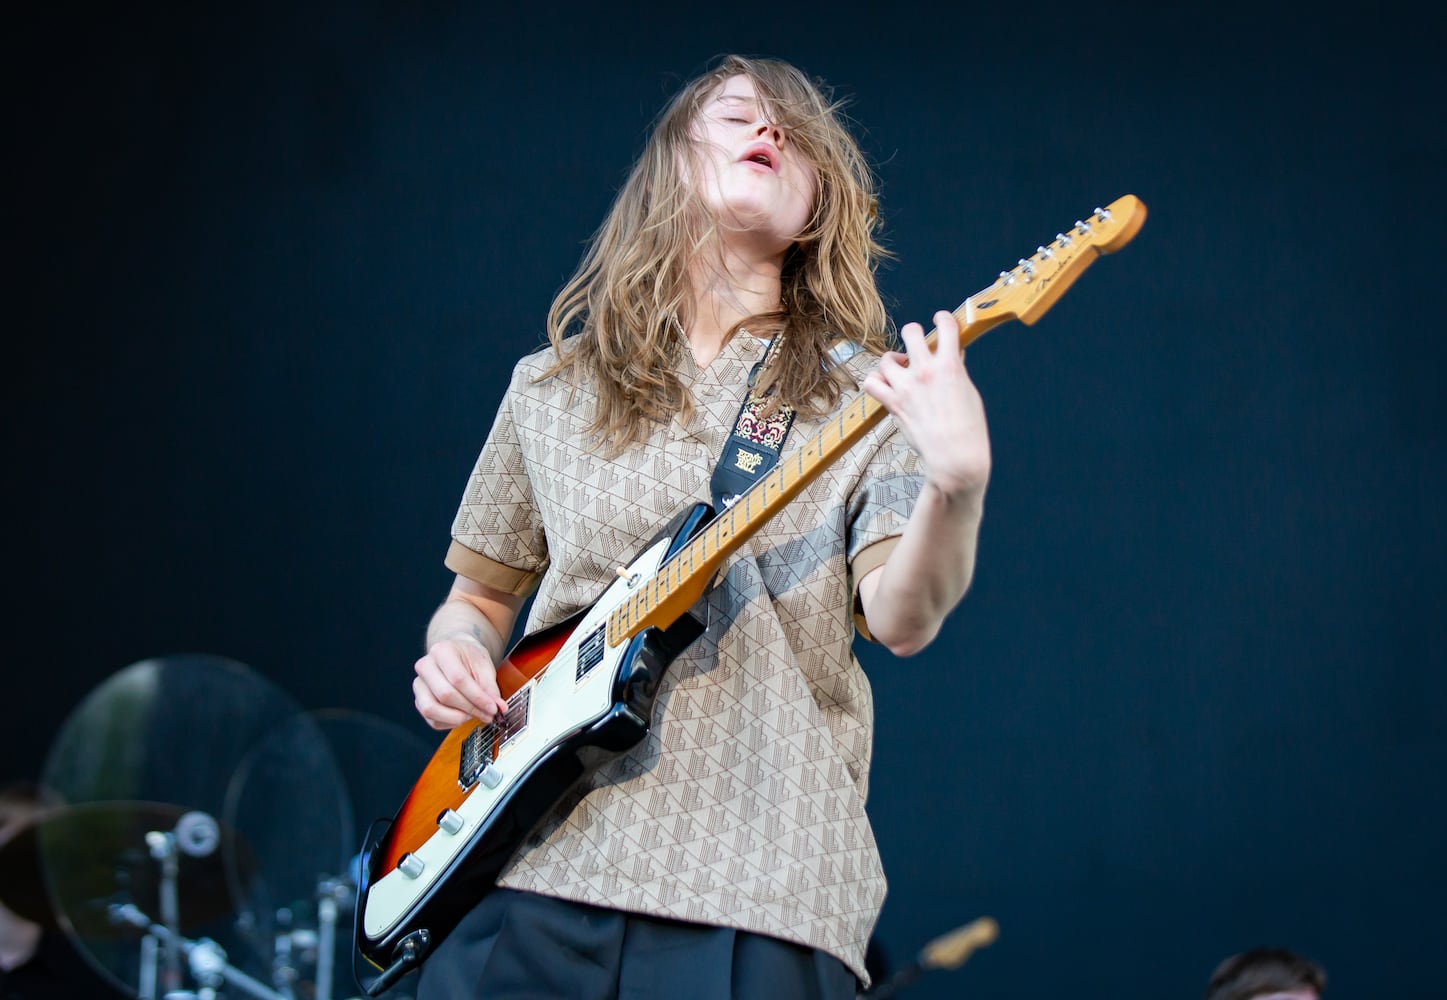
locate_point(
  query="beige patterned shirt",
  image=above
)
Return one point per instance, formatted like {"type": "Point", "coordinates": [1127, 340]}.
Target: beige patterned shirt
{"type": "Point", "coordinates": [744, 806]}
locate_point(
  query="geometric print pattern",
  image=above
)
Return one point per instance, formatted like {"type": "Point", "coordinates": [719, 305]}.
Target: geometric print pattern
{"type": "Point", "coordinates": [745, 804]}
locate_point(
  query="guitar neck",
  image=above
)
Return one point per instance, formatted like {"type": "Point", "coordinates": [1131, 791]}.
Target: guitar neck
{"type": "Point", "coordinates": [681, 581]}
{"type": "Point", "coordinates": [1024, 292]}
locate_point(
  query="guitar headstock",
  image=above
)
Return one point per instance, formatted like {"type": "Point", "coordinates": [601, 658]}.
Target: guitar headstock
{"type": "Point", "coordinates": [1028, 290]}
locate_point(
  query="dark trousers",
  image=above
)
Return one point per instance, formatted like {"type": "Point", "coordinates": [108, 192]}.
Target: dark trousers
{"type": "Point", "coordinates": [523, 946]}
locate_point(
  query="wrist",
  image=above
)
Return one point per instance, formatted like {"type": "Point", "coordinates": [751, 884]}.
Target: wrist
{"type": "Point", "coordinates": [460, 635]}
{"type": "Point", "coordinates": [965, 497]}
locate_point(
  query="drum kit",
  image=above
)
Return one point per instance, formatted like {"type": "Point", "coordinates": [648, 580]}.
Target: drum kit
{"type": "Point", "coordinates": [196, 831]}
{"type": "Point", "coordinates": [194, 837]}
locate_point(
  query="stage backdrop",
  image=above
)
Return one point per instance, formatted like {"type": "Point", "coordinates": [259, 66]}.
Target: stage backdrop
{"type": "Point", "coordinates": [270, 268]}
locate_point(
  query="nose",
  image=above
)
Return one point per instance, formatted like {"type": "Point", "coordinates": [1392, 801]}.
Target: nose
{"type": "Point", "coordinates": [768, 130]}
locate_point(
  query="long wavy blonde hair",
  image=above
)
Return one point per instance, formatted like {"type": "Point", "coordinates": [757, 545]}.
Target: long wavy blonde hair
{"type": "Point", "coordinates": [616, 318]}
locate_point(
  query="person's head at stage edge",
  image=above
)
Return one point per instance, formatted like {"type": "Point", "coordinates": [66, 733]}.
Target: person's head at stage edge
{"type": "Point", "coordinates": [1267, 973]}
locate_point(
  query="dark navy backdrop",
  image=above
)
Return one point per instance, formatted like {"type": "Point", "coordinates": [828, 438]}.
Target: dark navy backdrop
{"type": "Point", "coordinates": [270, 268]}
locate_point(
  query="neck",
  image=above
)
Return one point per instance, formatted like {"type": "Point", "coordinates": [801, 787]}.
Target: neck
{"type": "Point", "coordinates": [726, 290]}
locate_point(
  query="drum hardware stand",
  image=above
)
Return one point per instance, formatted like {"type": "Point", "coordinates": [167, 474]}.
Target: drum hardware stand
{"type": "Point", "coordinates": [196, 834]}
{"type": "Point", "coordinates": [332, 895]}
{"type": "Point", "coordinates": [206, 958]}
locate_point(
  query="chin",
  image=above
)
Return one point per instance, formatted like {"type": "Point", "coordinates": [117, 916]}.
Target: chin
{"type": "Point", "coordinates": [762, 223]}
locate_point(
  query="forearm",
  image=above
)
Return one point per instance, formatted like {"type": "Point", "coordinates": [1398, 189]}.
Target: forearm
{"type": "Point", "coordinates": [459, 618]}
{"type": "Point", "coordinates": [928, 572]}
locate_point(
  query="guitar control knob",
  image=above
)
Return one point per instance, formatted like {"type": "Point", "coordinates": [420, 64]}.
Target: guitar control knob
{"type": "Point", "coordinates": [410, 865]}
{"type": "Point", "coordinates": [490, 775]}
{"type": "Point", "coordinates": [450, 821]}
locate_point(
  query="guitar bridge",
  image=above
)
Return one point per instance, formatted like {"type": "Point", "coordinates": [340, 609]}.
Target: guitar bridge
{"type": "Point", "coordinates": [515, 722]}
{"type": "Point", "coordinates": [476, 757]}
{"type": "Point", "coordinates": [482, 746]}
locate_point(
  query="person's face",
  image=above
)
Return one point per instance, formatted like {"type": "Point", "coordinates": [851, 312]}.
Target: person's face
{"type": "Point", "coordinates": [754, 178]}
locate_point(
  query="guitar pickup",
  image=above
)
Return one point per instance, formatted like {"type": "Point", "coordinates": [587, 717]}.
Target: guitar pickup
{"type": "Point", "coordinates": [590, 653]}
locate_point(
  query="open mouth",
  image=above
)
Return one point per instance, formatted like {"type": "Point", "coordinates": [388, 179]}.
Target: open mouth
{"type": "Point", "coordinates": [760, 155]}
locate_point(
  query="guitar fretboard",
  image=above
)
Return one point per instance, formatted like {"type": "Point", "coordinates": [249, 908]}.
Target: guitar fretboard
{"type": "Point", "coordinates": [728, 530]}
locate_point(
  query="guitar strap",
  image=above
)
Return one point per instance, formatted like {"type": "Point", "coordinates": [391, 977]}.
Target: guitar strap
{"type": "Point", "coordinates": [757, 440]}
{"type": "Point", "coordinates": [755, 444]}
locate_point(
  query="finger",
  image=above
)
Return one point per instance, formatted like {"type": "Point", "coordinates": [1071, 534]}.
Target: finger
{"type": "Point", "coordinates": [433, 712]}
{"type": "Point", "coordinates": [913, 336]}
{"type": "Point", "coordinates": [469, 667]}
{"type": "Point", "coordinates": [457, 681]}
{"type": "Point", "coordinates": [947, 334]}
{"type": "Point", "coordinates": [876, 386]}
{"type": "Point", "coordinates": [888, 375]}
{"type": "Point", "coordinates": [891, 363]}
{"type": "Point", "coordinates": [440, 702]}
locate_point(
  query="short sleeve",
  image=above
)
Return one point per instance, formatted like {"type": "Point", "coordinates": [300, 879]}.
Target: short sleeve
{"type": "Point", "coordinates": [497, 535]}
{"type": "Point", "coordinates": [886, 495]}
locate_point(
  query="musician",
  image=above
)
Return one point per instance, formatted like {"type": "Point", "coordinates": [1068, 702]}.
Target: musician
{"type": "Point", "coordinates": [729, 854]}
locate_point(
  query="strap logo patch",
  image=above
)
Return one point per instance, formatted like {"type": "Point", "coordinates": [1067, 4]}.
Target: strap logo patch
{"type": "Point", "coordinates": [747, 461]}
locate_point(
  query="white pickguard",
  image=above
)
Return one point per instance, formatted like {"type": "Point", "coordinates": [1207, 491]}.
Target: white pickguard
{"type": "Point", "coordinates": [558, 704]}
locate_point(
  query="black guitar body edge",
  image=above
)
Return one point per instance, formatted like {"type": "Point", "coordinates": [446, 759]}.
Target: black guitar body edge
{"type": "Point", "coordinates": [473, 873]}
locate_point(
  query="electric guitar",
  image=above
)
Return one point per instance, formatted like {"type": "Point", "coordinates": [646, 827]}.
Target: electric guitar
{"type": "Point", "coordinates": [582, 691]}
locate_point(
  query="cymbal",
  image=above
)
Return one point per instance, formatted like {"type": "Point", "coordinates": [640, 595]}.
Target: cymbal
{"type": "Point", "coordinates": [67, 866]}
